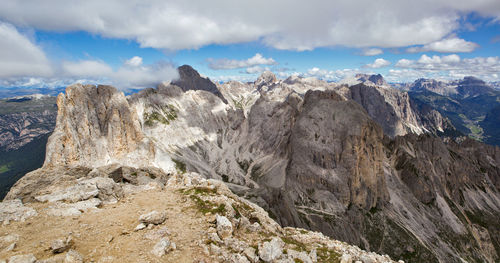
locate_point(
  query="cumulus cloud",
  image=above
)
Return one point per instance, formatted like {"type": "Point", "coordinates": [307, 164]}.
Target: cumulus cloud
{"type": "Point", "coordinates": [225, 63]}
{"type": "Point", "coordinates": [86, 68]}
{"type": "Point", "coordinates": [378, 63]}
{"type": "Point", "coordinates": [372, 52]}
{"type": "Point", "coordinates": [451, 66]}
{"type": "Point", "coordinates": [282, 24]}
{"type": "Point", "coordinates": [132, 74]}
{"type": "Point", "coordinates": [19, 56]}
{"type": "Point", "coordinates": [331, 75]}
{"type": "Point", "coordinates": [144, 76]}
{"type": "Point", "coordinates": [255, 70]}
{"type": "Point", "coordinates": [449, 45]}
{"type": "Point", "coordinates": [134, 61]}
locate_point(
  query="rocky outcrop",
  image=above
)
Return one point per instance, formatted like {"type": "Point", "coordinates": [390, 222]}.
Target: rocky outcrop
{"type": "Point", "coordinates": [313, 154]}
{"type": "Point", "coordinates": [190, 79]}
{"type": "Point", "coordinates": [202, 220]}
{"type": "Point", "coordinates": [95, 126]}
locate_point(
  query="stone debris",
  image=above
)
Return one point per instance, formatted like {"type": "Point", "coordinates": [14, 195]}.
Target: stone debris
{"type": "Point", "coordinates": [153, 217]}
{"type": "Point", "coordinates": [29, 258]}
{"type": "Point", "coordinates": [73, 209]}
{"type": "Point", "coordinates": [162, 247]}
{"type": "Point", "coordinates": [271, 250]}
{"type": "Point", "coordinates": [73, 256]}
{"type": "Point", "coordinates": [140, 226]}
{"type": "Point", "coordinates": [224, 227]}
{"type": "Point", "coordinates": [238, 230]}
{"type": "Point", "coordinates": [60, 245]}
{"type": "Point", "coordinates": [14, 210]}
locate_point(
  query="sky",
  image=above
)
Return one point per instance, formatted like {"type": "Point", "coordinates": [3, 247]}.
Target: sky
{"type": "Point", "coordinates": [139, 43]}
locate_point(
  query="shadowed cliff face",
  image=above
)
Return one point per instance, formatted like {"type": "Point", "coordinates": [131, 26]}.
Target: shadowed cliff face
{"type": "Point", "coordinates": [312, 158]}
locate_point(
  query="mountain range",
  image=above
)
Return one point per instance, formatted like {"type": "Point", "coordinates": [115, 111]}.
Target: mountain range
{"type": "Point", "coordinates": [387, 170]}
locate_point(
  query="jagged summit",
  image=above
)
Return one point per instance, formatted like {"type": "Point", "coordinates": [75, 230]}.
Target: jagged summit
{"type": "Point", "coordinates": [190, 79]}
{"type": "Point", "coordinates": [265, 79]}
{"type": "Point", "coordinates": [375, 79]}
{"type": "Point", "coordinates": [342, 160]}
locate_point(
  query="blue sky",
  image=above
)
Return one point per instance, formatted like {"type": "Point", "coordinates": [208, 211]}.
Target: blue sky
{"type": "Point", "coordinates": [139, 43]}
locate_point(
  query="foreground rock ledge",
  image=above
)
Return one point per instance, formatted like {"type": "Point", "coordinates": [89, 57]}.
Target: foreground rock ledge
{"type": "Point", "coordinates": [202, 218]}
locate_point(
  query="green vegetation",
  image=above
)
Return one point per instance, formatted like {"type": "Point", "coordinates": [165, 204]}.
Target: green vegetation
{"type": "Point", "coordinates": [201, 191]}
{"type": "Point", "coordinates": [21, 161]}
{"type": "Point", "coordinates": [4, 168]}
{"type": "Point", "coordinates": [299, 246]}
{"type": "Point", "coordinates": [180, 166]}
{"type": "Point", "coordinates": [166, 114]}
{"type": "Point", "coordinates": [327, 255]}
{"type": "Point", "coordinates": [238, 103]}
{"type": "Point", "coordinates": [207, 206]}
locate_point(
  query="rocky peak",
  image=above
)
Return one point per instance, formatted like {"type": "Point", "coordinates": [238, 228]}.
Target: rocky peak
{"type": "Point", "coordinates": [95, 124]}
{"type": "Point", "coordinates": [375, 79]}
{"type": "Point", "coordinates": [267, 78]}
{"type": "Point", "coordinates": [190, 79]}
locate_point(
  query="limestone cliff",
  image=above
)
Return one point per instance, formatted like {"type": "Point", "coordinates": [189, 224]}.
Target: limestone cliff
{"type": "Point", "coordinates": [314, 154]}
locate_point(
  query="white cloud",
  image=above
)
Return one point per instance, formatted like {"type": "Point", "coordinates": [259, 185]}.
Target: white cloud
{"type": "Point", "coordinates": [132, 74]}
{"type": "Point", "coordinates": [451, 66]}
{"type": "Point", "coordinates": [134, 61]}
{"type": "Point", "coordinates": [86, 68]}
{"type": "Point", "coordinates": [378, 63]}
{"type": "Point", "coordinates": [19, 56]}
{"type": "Point", "coordinates": [331, 75]}
{"type": "Point", "coordinates": [449, 45]}
{"type": "Point", "coordinates": [144, 76]}
{"type": "Point", "coordinates": [255, 70]}
{"type": "Point", "coordinates": [372, 52]}
{"type": "Point", "coordinates": [225, 63]}
{"type": "Point", "coordinates": [283, 24]}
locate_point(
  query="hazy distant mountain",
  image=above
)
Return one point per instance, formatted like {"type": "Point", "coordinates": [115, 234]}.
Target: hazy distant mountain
{"type": "Point", "coordinates": [465, 102]}
{"type": "Point", "coordinates": [25, 124]}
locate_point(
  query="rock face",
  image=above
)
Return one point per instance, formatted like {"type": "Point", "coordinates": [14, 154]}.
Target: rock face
{"type": "Point", "coordinates": [190, 79]}
{"type": "Point", "coordinates": [25, 124]}
{"type": "Point", "coordinates": [95, 125]}
{"type": "Point", "coordinates": [343, 160]}
{"type": "Point", "coordinates": [466, 103]}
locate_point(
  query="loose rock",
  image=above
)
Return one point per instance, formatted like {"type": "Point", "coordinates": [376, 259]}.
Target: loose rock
{"type": "Point", "coordinates": [153, 217]}
{"type": "Point", "coordinates": [224, 227]}
{"type": "Point", "coordinates": [271, 250]}
{"type": "Point", "coordinates": [30, 258]}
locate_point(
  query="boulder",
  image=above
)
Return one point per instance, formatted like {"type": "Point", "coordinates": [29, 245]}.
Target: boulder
{"type": "Point", "coordinates": [271, 250]}
{"type": "Point", "coordinates": [162, 247]}
{"type": "Point", "coordinates": [60, 245]}
{"type": "Point", "coordinates": [224, 227]}
{"type": "Point", "coordinates": [153, 217]}
{"type": "Point", "coordinates": [29, 258]}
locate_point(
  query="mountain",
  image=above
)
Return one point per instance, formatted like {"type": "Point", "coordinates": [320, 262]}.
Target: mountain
{"type": "Point", "coordinates": [466, 103]}
{"type": "Point", "coordinates": [154, 217]}
{"type": "Point", "coordinates": [313, 154]}
{"type": "Point", "coordinates": [25, 124]}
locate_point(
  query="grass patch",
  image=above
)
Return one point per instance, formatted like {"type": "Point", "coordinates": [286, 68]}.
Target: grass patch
{"type": "Point", "coordinates": [201, 191]}
{"type": "Point", "coordinates": [207, 206]}
{"type": "Point", "coordinates": [4, 168]}
{"type": "Point", "coordinates": [167, 114]}
{"type": "Point", "coordinates": [327, 255]}
{"type": "Point", "coordinates": [299, 246]}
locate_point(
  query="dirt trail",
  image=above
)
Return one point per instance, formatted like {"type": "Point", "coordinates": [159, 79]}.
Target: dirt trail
{"type": "Point", "coordinates": [107, 234]}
